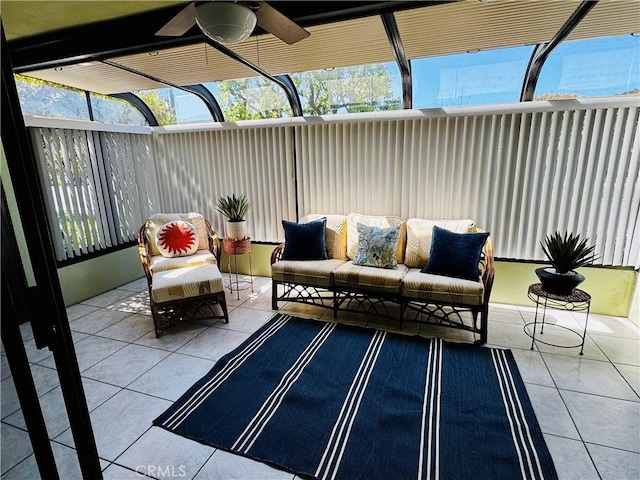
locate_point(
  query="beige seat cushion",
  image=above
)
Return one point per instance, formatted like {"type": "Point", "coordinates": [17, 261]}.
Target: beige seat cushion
{"type": "Point", "coordinates": [158, 263]}
{"type": "Point", "coordinates": [154, 222]}
{"type": "Point", "coordinates": [424, 286]}
{"type": "Point", "coordinates": [370, 278]}
{"type": "Point", "coordinates": [336, 238]}
{"type": "Point", "coordinates": [186, 282]}
{"type": "Point", "coordinates": [316, 273]}
{"type": "Point", "coordinates": [420, 234]}
{"type": "Point", "coordinates": [374, 221]}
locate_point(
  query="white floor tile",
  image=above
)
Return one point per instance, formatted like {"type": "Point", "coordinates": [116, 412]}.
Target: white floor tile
{"type": "Point", "coordinates": [615, 464]}
{"type": "Point", "coordinates": [15, 446]}
{"type": "Point", "coordinates": [173, 376]}
{"type": "Point", "coordinates": [605, 421]}
{"type": "Point", "coordinates": [171, 339]}
{"type": "Point", "coordinates": [127, 364]}
{"type": "Point", "coordinates": [225, 466]}
{"type": "Point", "coordinates": [163, 454]}
{"type": "Point", "coordinates": [551, 412]}
{"type": "Point", "coordinates": [213, 343]}
{"type": "Point", "coordinates": [571, 459]}
{"type": "Point", "coordinates": [120, 421]}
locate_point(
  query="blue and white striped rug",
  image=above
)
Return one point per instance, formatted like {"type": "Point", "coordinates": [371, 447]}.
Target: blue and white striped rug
{"type": "Point", "coordinates": [327, 400]}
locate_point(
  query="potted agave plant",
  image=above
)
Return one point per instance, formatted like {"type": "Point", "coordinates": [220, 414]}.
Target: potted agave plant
{"type": "Point", "coordinates": [235, 209]}
{"type": "Point", "coordinates": [566, 253]}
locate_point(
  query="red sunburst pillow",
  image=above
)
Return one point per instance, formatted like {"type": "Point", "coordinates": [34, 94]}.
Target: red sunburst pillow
{"type": "Point", "coordinates": [177, 239]}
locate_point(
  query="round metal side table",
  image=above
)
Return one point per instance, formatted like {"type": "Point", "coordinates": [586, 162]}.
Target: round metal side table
{"type": "Point", "coordinates": [577, 301]}
{"type": "Point", "coordinates": [234, 248]}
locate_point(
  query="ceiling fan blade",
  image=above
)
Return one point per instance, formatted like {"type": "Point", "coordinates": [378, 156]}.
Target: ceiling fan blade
{"type": "Point", "coordinates": [181, 23]}
{"type": "Point", "coordinates": [276, 23]}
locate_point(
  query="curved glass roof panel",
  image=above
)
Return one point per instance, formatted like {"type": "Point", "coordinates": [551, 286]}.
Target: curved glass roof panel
{"type": "Point", "coordinates": [45, 99]}
{"type": "Point", "coordinates": [363, 88]}
{"type": "Point", "coordinates": [115, 110]}
{"type": "Point", "coordinates": [472, 78]}
{"type": "Point", "coordinates": [250, 99]}
{"type": "Point", "coordinates": [591, 68]}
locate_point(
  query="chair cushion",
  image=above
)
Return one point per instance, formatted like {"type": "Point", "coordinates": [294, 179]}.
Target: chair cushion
{"type": "Point", "coordinates": [159, 263]}
{"type": "Point", "coordinates": [455, 254]}
{"type": "Point", "coordinates": [424, 286]}
{"type": "Point", "coordinates": [353, 237]}
{"type": "Point", "coordinates": [420, 235]}
{"type": "Point", "coordinates": [155, 221]}
{"type": "Point", "coordinates": [317, 273]}
{"type": "Point", "coordinates": [177, 239]}
{"type": "Point", "coordinates": [369, 278]}
{"type": "Point", "coordinates": [377, 247]}
{"type": "Point", "coordinates": [305, 241]}
{"type": "Point", "coordinates": [186, 282]}
{"type": "Point", "coordinates": [335, 235]}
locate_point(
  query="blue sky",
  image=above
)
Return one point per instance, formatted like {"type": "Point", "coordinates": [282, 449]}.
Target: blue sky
{"type": "Point", "coordinates": [589, 68]}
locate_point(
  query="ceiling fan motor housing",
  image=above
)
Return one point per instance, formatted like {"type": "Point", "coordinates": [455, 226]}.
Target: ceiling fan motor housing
{"type": "Point", "coordinates": [225, 22]}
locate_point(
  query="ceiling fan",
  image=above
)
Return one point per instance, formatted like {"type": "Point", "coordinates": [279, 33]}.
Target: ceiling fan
{"type": "Point", "coordinates": [232, 22]}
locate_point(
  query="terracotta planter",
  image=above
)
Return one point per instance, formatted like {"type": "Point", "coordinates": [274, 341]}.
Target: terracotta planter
{"type": "Point", "coordinates": [237, 230]}
{"type": "Point", "coordinates": [558, 284]}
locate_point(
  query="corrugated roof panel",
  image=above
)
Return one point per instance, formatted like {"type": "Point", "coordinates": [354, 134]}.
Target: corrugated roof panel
{"type": "Point", "coordinates": [95, 77]}
{"type": "Point", "coordinates": [187, 65]}
{"type": "Point", "coordinates": [353, 42]}
{"type": "Point", "coordinates": [471, 25]}
{"type": "Point", "coordinates": [609, 18]}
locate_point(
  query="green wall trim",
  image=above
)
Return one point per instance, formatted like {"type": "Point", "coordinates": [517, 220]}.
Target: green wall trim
{"type": "Point", "coordinates": [612, 289]}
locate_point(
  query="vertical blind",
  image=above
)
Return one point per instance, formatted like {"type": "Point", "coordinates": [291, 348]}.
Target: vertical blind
{"type": "Point", "coordinates": [518, 172]}
{"type": "Point", "coordinates": [96, 189]}
{"type": "Point", "coordinates": [194, 169]}
{"type": "Point", "coordinates": [518, 175]}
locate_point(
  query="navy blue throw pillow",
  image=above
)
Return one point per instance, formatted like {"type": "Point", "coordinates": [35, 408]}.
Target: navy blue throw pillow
{"type": "Point", "coordinates": [305, 241]}
{"type": "Point", "coordinates": [455, 254]}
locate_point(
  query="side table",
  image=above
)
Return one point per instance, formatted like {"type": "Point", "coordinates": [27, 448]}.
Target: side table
{"type": "Point", "coordinates": [577, 301]}
{"type": "Point", "coordinates": [235, 248]}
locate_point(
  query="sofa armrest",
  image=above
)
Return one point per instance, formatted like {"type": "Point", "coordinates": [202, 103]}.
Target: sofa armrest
{"type": "Point", "coordinates": [489, 271]}
{"type": "Point", "coordinates": [277, 253]}
{"type": "Point", "coordinates": [143, 251]}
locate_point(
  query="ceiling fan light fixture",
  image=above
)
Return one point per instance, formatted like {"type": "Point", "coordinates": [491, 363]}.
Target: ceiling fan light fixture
{"type": "Point", "coordinates": [225, 22]}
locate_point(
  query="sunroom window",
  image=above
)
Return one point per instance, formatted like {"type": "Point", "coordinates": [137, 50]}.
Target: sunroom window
{"type": "Point", "coordinates": [364, 88]}
{"type": "Point", "coordinates": [250, 99]}
{"type": "Point", "coordinates": [591, 68]}
{"type": "Point", "coordinates": [46, 99]}
{"type": "Point", "coordinates": [174, 106]}
{"type": "Point", "coordinates": [114, 110]}
{"type": "Point", "coordinates": [471, 78]}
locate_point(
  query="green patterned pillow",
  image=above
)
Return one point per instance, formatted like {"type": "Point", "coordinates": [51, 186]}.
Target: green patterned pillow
{"type": "Point", "coordinates": [377, 247]}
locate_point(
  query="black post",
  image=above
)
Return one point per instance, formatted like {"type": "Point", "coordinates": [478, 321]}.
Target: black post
{"type": "Point", "coordinates": [45, 303]}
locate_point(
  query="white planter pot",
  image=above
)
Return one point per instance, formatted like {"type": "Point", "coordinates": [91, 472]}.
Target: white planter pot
{"type": "Point", "coordinates": [237, 230]}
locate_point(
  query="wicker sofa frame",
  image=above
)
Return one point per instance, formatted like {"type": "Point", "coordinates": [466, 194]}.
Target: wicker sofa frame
{"type": "Point", "coordinates": [392, 306]}
{"type": "Point", "coordinates": [202, 307]}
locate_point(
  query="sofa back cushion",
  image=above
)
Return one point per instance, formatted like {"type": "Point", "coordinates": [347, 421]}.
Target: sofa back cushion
{"type": "Point", "coordinates": [154, 222]}
{"type": "Point", "coordinates": [353, 237]}
{"type": "Point", "coordinates": [420, 234]}
{"type": "Point", "coordinates": [336, 234]}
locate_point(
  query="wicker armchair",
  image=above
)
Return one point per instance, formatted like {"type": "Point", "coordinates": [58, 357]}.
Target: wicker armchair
{"type": "Point", "coordinates": [183, 288]}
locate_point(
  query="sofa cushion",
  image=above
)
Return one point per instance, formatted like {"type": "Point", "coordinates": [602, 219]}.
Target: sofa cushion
{"type": "Point", "coordinates": [159, 263]}
{"type": "Point", "coordinates": [177, 239]}
{"type": "Point", "coordinates": [419, 237]}
{"type": "Point", "coordinates": [369, 278]}
{"type": "Point", "coordinates": [186, 282]}
{"type": "Point", "coordinates": [377, 247]}
{"type": "Point", "coordinates": [305, 241]}
{"type": "Point", "coordinates": [336, 234]}
{"type": "Point", "coordinates": [353, 237]}
{"type": "Point", "coordinates": [438, 288]}
{"type": "Point", "coordinates": [317, 273]}
{"type": "Point", "coordinates": [154, 222]}
{"type": "Point", "coordinates": [455, 254]}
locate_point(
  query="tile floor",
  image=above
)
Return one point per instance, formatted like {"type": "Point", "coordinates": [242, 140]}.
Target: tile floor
{"type": "Point", "coordinates": [588, 407]}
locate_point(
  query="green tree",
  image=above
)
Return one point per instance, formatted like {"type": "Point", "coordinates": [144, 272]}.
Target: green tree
{"type": "Point", "coordinates": [363, 88]}
{"type": "Point", "coordinates": [39, 97]}
{"type": "Point", "coordinates": [159, 105]}
{"type": "Point", "coordinates": [252, 99]}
